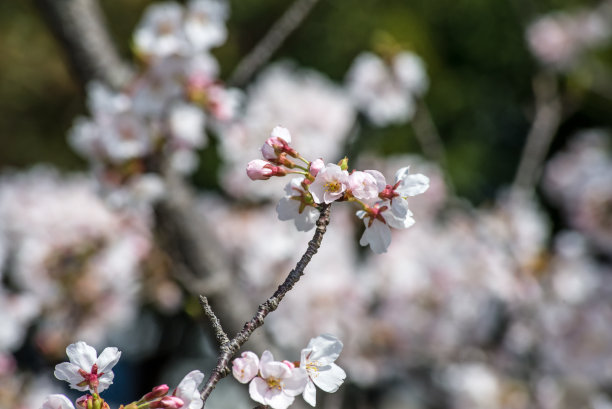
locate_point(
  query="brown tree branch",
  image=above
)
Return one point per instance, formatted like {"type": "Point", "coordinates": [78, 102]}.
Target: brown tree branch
{"type": "Point", "coordinates": [274, 38]}
{"type": "Point", "coordinates": [230, 348]}
{"type": "Point", "coordinates": [80, 27]}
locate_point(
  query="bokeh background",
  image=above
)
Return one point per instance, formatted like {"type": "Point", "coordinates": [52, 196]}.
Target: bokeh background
{"type": "Point", "coordinates": [498, 297]}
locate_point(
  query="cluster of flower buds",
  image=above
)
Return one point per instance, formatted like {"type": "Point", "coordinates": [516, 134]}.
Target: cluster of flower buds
{"type": "Point", "coordinates": [89, 372]}
{"type": "Point", "coordinates": [277, 383]}
{"type": "Point", "coordinates": [382, 205]}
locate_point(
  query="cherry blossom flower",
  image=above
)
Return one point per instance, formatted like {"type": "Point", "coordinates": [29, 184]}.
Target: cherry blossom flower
{"type": "Point", "coordinates": [318, 361]}
{"type": "Point", "coordinates": [187, 390]}
{"type": "Point", "coordinates": [246, 367]}
{"type": "Point", "coordinates": [57, 401]}
{"type": "Point", "coordinates": [330, 184]}
{"type": "Point", "coordinates": [363, 185]}
{"type": "Point", "coordinates": [278, 383]}
{"type": "Point", "coordinates": [298, 206]}
{"type": "Point", "coordinates": [405, 185]}
{"type": "Point", "coordinates": [159, 33]}
{"type": "Point", "coordinates": [378, 220]}
{"type": "Point", "coordinates": [385, 90]}
{"type": "Point", "coordinates": [205, 24]}
{"type": "Point", "coordinates": [87, 371]}
{"type": "Point", "coordinates": [186, 122]}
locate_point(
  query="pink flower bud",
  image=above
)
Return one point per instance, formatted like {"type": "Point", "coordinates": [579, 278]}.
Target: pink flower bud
{"type": "Point", "coordinates": [156, 392]}
{"type": "Point", "coordinates": [316, 166]}
{"type": "Point", "coordinates": [167, 402]}
{"type": "Point", "coordinates": [261, 170]}
{"type": "Point", "coordinates": [81, 403]}
{"type": "Point", "coordinates": [278, 143]}
{"type": "Point", "coordinates": [290, 364]}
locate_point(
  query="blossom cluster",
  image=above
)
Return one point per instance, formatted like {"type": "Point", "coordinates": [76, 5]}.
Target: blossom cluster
{"type": "Point", "coordinates": [385, 88]}
{"type": "Point", "coordinates": [276, 383]}
{"type": "Point", "coordinates": [158, 119]}
{"type": "Point", "coordinates": [382, 205]}
{"type": "Point", "coordinates": [559, 39]}
{"type": "Point", "coordinates": [88, 372]}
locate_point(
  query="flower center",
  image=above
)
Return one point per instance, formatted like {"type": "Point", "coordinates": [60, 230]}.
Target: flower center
{"type": "Point", "coordinates": [333, 186]}
{"type": "Point", "coordinates": [312, 367]}
{"type": "Point", "coordinates": [274, 383]}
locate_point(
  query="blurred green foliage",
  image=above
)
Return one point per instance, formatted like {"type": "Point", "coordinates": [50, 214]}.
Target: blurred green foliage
{"type": "Point", "coordinates": [480, 71]}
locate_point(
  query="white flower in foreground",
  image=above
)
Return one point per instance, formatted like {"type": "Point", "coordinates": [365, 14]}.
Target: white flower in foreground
{"type": "Point", "coordinates": [295, 206]}
{"type": "Point", "coordinates": [363, 185]}
{"type": "Point", "coordinates": [279, 383]}
{"type": "Point", "coordinates": [318, 361]}
{"type": "Point", "coordinates": [57, 402]}
{"type": "Point", "coordinates": [407, 185]}
{"type": "Point", "coordinates": [378, 220]}
{"type": "Point", "coordinates": [187, 390]}
{"type": "Point", "coordinates": [330, 184]}
{"type": "Point", "coordinates": [87, 371]}
{"type": "Point", "coordinates": [246, 367]}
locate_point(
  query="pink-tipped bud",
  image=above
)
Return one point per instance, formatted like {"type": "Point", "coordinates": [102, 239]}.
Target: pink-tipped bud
{"type": "Point", "coordinates": [315, 166]}
{"type": "Point", "coordinates": [261, 170]}
{"type": "Point", "coordinates": [167, 402]}
{"type": "Point", "coordinates": [156, 392]}
{"type": "Point", "coordinates": [278, 143]}
{"type": "Point", "coordinates": [81, 403]}
{"type": "Point", "coordinates": [290, 364]}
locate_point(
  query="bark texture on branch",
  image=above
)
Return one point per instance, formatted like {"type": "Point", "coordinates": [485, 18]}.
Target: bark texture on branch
{"type": "Point", "coordinates": [80, 27]}
{"type": "Point", "coordinates": [229, 348]}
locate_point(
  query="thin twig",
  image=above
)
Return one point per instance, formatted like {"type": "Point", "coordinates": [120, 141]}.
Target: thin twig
{"type": "Point", "coordinates": [274, 38]}
{"type": "Point", "coordinates": [546, 122]}
{"type": "Point", "coordinates": [229, 349]}
{"type": "Point", "coordinates": [216, 324]}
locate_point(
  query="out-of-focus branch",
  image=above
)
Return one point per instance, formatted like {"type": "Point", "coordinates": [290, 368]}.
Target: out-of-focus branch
{"type": "Point", "coordinates": [427, 134]}
{"type": "Point", "coordinates": [79, 26]}
{"type": "Point", "coordinates": [274, 38]}
{"type": "Point", "coordinates": [196, 254]}
{"type": "Point", "coordinates": [230, 348]}
{"type": "Point", "coordinates": [547, 118]}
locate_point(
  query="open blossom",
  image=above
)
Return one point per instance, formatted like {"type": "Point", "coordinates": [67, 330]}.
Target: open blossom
{"type": "Point", "coordinates": [278, 384]}
{"type": "Point", "coordinates": [159, 32]}
{"type": "Point", "coordinates": [187, 390]}
{"type": "Point", "coordinates": [205, 24]}
{"type": "Point", "coordinates": [363, 185]}
{"type": "Point", "coordinates": [330, 184]}
{"type": "Point", "coordinates": [378, 220]}
{"type": "Point", "coordinates": [298, 206]}
{"type": "Point", "coordinates": [406, 185]}
{"type": "Point", "coordinates": [246, 367]}
{"type": "Point", "coordinates": [57, 402]}
{"type": "Point", "coordinates": [385, 90]}
{"type": "Point", "coordinates": [87, 371]}
{"type": "Point", "coordinates": [318, 361]}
